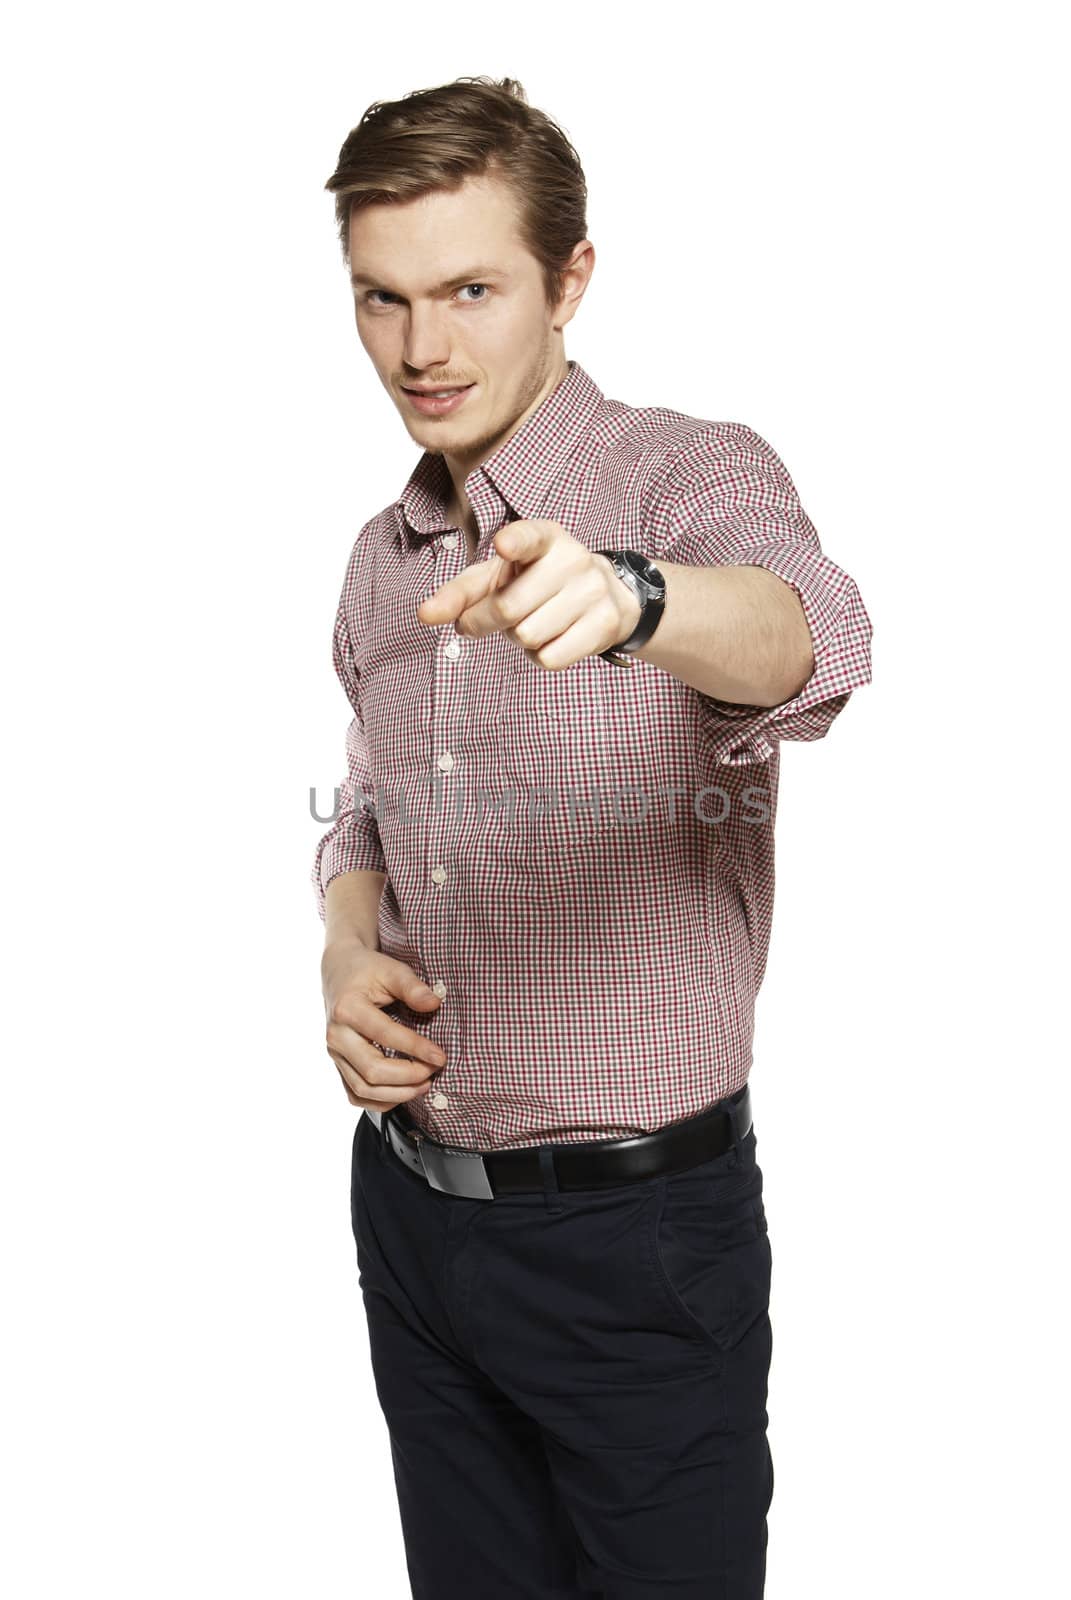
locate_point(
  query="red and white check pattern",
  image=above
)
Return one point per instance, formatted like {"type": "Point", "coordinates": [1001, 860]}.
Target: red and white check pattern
{"type": "Point", "coordinates": [598, 959]}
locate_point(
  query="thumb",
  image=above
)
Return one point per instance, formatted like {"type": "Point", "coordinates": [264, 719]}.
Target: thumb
{"type": "Point", "coordinates": [419, 994]}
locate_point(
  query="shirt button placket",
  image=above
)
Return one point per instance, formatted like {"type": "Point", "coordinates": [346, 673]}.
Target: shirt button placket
{"type": "Point", "coordinates": [445, 762]}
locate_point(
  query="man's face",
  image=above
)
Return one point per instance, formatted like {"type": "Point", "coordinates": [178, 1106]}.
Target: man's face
{"type": "Point", "coordinates": [448, 295]}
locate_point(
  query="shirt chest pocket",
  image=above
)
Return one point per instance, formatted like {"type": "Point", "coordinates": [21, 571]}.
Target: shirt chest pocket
{"type": "Point", "coordinates": [557, 749]}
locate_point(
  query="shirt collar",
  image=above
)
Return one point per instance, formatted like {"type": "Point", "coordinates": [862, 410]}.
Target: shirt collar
{"type": "Point", "coordinates": [513, 484]}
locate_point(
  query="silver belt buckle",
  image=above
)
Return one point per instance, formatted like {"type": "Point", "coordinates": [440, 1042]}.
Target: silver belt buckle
{"type": "Point", "coordinates": [452, 1171]}
{"type": "Point", "coordinates": [459, 1172]}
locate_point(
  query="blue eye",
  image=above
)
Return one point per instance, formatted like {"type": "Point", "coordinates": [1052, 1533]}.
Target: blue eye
{"type": "Point", "coordinates": [387, 297]}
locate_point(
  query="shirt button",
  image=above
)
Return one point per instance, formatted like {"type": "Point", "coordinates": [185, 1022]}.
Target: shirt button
{"type": "Point", "coordinates": [438, 874]}
{"type": "Point", "coordinates": [439, 1100]}
{"type": "Point", "coordinates": [439, 988]}
{"type": "Point", "coordinates": [449, 541]}
{"type": "Point", "coordinates": [453, 649]}
{"type": "Point", "coordinates": [445, 762]}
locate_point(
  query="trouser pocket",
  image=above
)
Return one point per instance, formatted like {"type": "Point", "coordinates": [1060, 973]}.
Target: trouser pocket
{"type": "Point", "coordinates": [708, 1250]}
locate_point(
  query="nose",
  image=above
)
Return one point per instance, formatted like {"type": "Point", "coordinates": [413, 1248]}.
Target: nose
{"type": "Point", "coordinates": [426, 344]}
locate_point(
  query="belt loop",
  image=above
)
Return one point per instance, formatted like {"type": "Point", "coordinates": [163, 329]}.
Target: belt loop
{"type": "Point", "coordinates": [550, 1178]}
{"type": "Point", "coordinates": [733, 1111]}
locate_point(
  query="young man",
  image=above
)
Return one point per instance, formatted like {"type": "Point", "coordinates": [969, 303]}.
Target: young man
{"type": "Point", "coordinates": [572, 648]}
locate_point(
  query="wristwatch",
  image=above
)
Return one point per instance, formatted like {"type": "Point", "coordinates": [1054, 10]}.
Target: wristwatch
{"type": "Point", "coordinates": [649, 586]}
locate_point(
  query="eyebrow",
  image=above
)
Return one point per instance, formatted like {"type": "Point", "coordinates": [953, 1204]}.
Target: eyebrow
{"type": "Point", "coordinates": [473, 275]}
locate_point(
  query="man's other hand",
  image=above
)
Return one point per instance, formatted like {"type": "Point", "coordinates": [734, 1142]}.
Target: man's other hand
{"type": "Point", "coordinates": [357, 983]}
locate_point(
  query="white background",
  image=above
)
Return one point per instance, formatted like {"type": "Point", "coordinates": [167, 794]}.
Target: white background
{"type": "Point", "coordinates": [836, 223]}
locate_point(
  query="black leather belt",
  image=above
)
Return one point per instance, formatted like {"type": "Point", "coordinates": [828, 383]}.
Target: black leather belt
{"type": "Point", "coordinates": [594, 1164]}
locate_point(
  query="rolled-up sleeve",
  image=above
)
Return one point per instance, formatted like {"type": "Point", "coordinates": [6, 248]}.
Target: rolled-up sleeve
{"type": "Point", "coordinates": [352, 842]}
{"type": "Point", "coordinates": [727, 500]}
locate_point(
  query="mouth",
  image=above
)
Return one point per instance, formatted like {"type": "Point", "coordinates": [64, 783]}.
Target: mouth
{"type": "Point", "coordinates": [437, 403]}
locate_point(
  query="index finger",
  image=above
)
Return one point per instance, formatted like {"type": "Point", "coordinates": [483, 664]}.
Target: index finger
{"type": "Point", "coordinates": [457, 594]}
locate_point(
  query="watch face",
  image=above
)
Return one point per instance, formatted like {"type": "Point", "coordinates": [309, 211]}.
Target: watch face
{"type": "Point", "coordinates": [644, 569]}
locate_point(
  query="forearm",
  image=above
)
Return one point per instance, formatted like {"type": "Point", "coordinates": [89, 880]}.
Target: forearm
{"type": "Point", "coordinates": [351, 907]}
{"type": "Point", "coordinates": [735, 633]}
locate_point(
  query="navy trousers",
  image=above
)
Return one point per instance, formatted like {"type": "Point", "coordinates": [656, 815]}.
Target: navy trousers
{"type": "Point", "coordinates": [574, 1383]}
